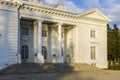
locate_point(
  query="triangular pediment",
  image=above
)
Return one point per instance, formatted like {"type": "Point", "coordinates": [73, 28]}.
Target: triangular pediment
{"type": "Point", "coordinates": [96, 14]}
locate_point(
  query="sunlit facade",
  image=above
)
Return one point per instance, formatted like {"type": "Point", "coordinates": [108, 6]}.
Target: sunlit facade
{"type": "Point", "coordinates": [33, 32]}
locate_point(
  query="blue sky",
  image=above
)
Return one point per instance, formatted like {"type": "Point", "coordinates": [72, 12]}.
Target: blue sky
{"type": "Point", "coordinates": [111, 8]}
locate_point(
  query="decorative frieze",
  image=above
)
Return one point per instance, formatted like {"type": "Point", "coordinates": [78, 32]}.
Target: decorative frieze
{"type": "Point", "coordinates": [53, 11]}
{"type": "Point", "coordinates": [9, 3]}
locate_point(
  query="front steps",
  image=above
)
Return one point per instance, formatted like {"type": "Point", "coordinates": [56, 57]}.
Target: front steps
{"type": "Point", "coordinates": [30, 68]}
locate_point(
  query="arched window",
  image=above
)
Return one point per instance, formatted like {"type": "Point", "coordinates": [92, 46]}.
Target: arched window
{"type": "Point", "coordinates": [24, 52]}
{"type": "Point", "coordinates": [44, 52]}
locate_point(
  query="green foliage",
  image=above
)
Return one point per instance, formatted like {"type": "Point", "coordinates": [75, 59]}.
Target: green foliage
{"type": "Point", "coordinates": [113, 43]}
{"type": "Point", "coordinates": [114, 67]}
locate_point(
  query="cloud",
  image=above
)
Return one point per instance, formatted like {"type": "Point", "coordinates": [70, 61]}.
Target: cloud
{"type": "Point", "coordinates": [51, 2]}
{"type": "Point", "coordinates": [112, 9]}
{"type": "Point", "coordinates": [109, 7]}
{"type": "Point", "coordinates": [69, 4]}
{"type": "Point", "coordinates": [90, 3]}
{"type": "Point", "coordinates": [72, 7]}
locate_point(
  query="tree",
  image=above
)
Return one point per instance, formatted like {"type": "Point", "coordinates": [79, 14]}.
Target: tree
{"type": "Point", "coordinates": [113, 43]}
{"type": "Point", "coordinates": [110, 43]}
{"type": "Point", "coordinates": [116, 42]}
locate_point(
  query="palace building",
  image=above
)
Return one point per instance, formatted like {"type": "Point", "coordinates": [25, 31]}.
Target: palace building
{"type": "Point", "coordinates": [33, 32]}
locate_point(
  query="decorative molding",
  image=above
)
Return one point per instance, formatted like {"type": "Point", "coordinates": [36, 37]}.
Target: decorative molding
{"type": "Point", "coordinates": [94, 42]}
{"type": "Point", "coordinates": [9, 3]}
{"type": "Point", "coordinates": [55, 12]}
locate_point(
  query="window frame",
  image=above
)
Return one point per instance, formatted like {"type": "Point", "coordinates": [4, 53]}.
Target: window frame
{"type": "Point", "coordinates": [44, 33]}
{"type": "Point", "coordinates": [24, 52]}
{"type": "Point", "coordinates": [44, 52]}
{"type": "Point", "coordinates": [93, 52]}
{"type": "Point", "coordinates": [93, 33]}
{"type": "Point", "coordinates": [25, 31]}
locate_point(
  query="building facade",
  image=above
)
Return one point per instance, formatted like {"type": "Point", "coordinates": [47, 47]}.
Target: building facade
{"type": "Point", "coordinates": [33, 32]}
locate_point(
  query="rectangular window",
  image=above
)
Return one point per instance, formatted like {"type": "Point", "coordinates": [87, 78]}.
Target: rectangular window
{"type": "Point", "coordinates": [93, 33]}
{"type": "Point", "coordinates": [44, 33]}
{"type": "Point", "coordinates": [25, 31]}
{"type": "Point", "coordinates": [93, 52]}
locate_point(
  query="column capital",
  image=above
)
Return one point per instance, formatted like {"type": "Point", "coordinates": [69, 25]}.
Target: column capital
{"type": "Point", "coordinates": [60, 23]}
{"type": "Point", "coordinates": [40, 20]}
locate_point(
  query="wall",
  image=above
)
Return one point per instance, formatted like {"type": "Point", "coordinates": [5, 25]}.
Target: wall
{"type": "Point", "coordinates": [85, 42]}
{"type": "Point", "coordinates": [9, 37]}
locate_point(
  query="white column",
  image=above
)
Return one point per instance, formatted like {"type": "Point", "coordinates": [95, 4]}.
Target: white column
{"type": "Point", "coordinates": [40, 58]}
{"type": "Point", "coordinates": [19, 42]}
{"type": "Point", "coordinates": [35, 40]}
{"type": "Point", "coordinates": [60, 57]}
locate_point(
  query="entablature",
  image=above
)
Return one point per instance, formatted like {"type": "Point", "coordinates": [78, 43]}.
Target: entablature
{"type": "Point", "coordinates": [36, 8]}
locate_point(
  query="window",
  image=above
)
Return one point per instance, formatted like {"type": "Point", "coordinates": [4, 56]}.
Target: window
{"type": "Point", "coordinates": [44, 33]}
{"type": "Point", "coordinates": [24, 52]}
{"type": "Point", "coordinates": [25, 31]}
{"type": "Point", "coordinates": [93, 52]}
{"type": "Point", "coordinates": [44, 52]}
{"type": "Point", "coordinates": [93, 33]}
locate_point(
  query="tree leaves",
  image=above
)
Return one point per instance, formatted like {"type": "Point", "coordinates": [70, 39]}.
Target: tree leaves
{"type": "Point", "coordinates": [113, 42]}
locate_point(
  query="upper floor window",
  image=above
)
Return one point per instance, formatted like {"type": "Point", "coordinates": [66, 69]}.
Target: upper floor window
{"type": "Point", "coordinates": [44, 33]}
{"type": "Point", "coordinates": [93, 33]}
{"type": "Point", "coordinates": [93, 52]}
{"type": "Point", "coordinates": [25, 31]}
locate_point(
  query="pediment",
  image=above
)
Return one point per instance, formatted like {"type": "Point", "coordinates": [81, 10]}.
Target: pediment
{"type": "Point", "coordinates": [96, 14]}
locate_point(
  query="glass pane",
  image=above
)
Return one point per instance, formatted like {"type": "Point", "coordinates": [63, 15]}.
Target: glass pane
{"type": "Point", "coordinates": [25, 31]}
{"type": "Point", "coordinates": [24, 52]}
{"type": "Point", "coordinates": [93, 52]}
{"type": "Point", "coordinates": [44, 33]}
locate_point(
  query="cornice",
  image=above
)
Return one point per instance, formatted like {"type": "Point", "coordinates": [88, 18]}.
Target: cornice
{"type": "Point", "coordinates": [89, 19]}
{"type": "Point", "coordinates": [53, 11]}
{"type": "Point", "coordinates": [9, 4]}
{"type": "Point", "coordinates": [49, 11]}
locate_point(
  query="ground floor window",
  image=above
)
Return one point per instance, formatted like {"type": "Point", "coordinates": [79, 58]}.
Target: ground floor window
{"type": "Point", "coordinates": [93, 52]}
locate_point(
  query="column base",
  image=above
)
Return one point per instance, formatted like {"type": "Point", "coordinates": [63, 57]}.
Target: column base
{"type": "Point", "coordinates": [60, 60]}
{"type": "Point", "coordinates": [40, 59]}
{"type": "Point", "coordinates": [18, 58]}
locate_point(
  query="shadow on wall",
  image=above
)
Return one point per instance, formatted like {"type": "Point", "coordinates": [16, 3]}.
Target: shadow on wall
{"type": "Point", "coordinates": [6, 25]}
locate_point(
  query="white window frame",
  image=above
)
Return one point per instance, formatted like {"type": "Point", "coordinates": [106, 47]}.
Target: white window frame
{"type": "Point", "coordinates": [93, 52]}
{"type": "Point", "coordinates": [93, 33]}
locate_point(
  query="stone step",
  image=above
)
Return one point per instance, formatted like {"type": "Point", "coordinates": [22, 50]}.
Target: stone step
{"type": "Point", "coordinates": [27, 68]}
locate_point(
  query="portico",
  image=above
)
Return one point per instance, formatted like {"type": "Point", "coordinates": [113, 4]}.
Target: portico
{"type": "Point", "coordinates": [46, 41]}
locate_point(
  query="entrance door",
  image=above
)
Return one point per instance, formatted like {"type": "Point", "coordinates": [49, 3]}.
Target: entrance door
{"type": "Point", "coordinates": [24, 53]}
{"type": "Point", "coordinates": [44, 53]}
{"type": "Point", "coordinates": [27, 42]}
